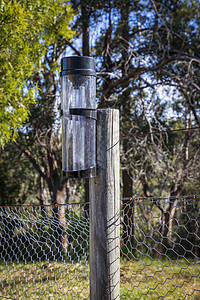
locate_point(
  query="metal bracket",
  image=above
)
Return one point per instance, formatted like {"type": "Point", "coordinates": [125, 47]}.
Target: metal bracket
{"type": "Point", "coordinates": [85, 112]}
{"type": "Point", "coordinates": [91, 172]}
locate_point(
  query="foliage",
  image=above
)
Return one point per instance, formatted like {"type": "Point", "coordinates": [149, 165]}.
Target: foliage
{"type": "Point", "coordinates": [43, 40]}
{"type": "Point", "coordinates": [27, 29]}
{"type": "Point", "coordinates": [147, 56]}
{"type": "Point", "coordinates": [18, 182]}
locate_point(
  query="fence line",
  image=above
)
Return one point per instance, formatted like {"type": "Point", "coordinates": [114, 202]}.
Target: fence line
{"type": "Point", "coordinates": [160, 132]}
{"type": "Point", "coordinates": [160, 250]}
{"type": "Point", "coordinates": [32, 265]}
{"type": "Point", "coordinates": [41, 205]}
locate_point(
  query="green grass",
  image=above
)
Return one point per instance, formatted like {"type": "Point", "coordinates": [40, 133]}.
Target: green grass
{"type": "Point", "coordinates": [164, 279]}
{"type": "Point", "coordinates": [143, 279]}
{"type": "Point", "coordinates": [46, 280]}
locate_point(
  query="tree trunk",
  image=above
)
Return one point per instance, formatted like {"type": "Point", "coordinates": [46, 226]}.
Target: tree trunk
{"type": "Point", "coordinates": [60, 226]}
{"type": "Point", "coordinates": [166, 221]}
{"type": "Point", "coordinates": [166, 227]}
{"type": "Point", "coordinates": [128, 205]}
{"type": "Point", "coordinates": [85, 17]}
{"type": "Point", "coordinates": [85, 28]}
{"type": "Point", "coordinates": [87, 199]}
{"type": "Point", "coordinates": [42, 199]}
{"type": "Point", "coordinates": [128, 210]}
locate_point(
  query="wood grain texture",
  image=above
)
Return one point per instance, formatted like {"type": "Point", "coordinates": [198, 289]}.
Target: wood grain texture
{"type": "Point", "coordinates": [104, 194]}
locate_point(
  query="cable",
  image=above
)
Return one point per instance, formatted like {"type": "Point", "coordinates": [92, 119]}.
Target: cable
{"type": "Point", "coordinates": [159, 132]}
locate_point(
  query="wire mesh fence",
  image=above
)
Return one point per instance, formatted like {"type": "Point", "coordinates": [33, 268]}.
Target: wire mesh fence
{"type": "Point", "coordinates": [38, 259]}
{"type": "Point", "coordinates": [160, 248]}
{"type": "Point", "coordinates": [45, 258]}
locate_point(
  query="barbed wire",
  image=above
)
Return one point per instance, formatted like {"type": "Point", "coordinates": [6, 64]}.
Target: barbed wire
{"type": "Point", "coordinates": [154, 198]}
{"type": "Point", "coordinates": [43, 205]}
{"type": "Point", "coordinates": [126, 199]}
{"type": "Point", "coordinates": [159, 132]}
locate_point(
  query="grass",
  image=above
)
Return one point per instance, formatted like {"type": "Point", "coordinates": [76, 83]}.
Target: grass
{"type": "Point", "coordinates": [142, 279]}
{"type": "Point", "coordinates": [46, 280]}
{"type": "Point", "coordinates": [164, 279]}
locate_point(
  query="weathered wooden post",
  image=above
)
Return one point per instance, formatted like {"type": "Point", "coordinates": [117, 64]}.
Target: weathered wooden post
{"type": "Point", "coordinates": [105, 210]}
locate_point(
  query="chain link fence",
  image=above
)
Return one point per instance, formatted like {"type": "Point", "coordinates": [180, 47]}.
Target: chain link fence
{"type": "Point", "coordinates": [45, 258]}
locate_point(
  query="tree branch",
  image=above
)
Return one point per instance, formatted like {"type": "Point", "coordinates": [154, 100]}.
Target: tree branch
{"type": "Point", "coordinates": [34, 162]}
{"type": "Point", "coordinates": [139, 71]}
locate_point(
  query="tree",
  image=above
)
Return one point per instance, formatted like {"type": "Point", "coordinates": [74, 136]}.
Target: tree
{"type": "Point", "coordinates": [143, 49]}
{"type": "Point", "coordinates": [143, 46]}
{"type": "Point", "coordinates": [39, 140]}
{"type": "Point", "coordinates": [26, 33]}
{"type": "Point", "coordinates": [15, 69]}
{"type": "Point", "coordinates": [41, 144]}
{"type": "Point", "coordinates": [153, 58]}
{"type": "Point", "coordinates": [18, 181]}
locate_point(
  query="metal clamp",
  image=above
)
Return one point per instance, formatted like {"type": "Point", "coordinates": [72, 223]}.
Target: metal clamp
{"type": "Point", "coordinates": [85, 112]}
{"type": "Point", "coordinates": [91, 172]}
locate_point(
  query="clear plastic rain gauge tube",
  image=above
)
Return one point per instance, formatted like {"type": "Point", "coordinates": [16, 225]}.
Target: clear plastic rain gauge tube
{"type": "Point", "coordinates": [78, 98]}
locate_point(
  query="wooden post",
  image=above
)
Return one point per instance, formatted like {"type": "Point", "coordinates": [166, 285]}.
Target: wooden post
{"type": "Point", "coordinates": [105, 211]}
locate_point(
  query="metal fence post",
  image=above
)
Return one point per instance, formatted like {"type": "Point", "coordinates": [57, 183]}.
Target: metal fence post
{"type": "Point", "coordinates": [105, 211]}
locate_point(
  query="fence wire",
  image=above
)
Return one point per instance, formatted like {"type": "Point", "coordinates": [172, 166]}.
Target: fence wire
{"type": "Point", "coordinates": [46, 257]}
{"type": "Point", "coordinates": [41, 260]}
{"type": "Point", "coordinates": [160, 248]}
